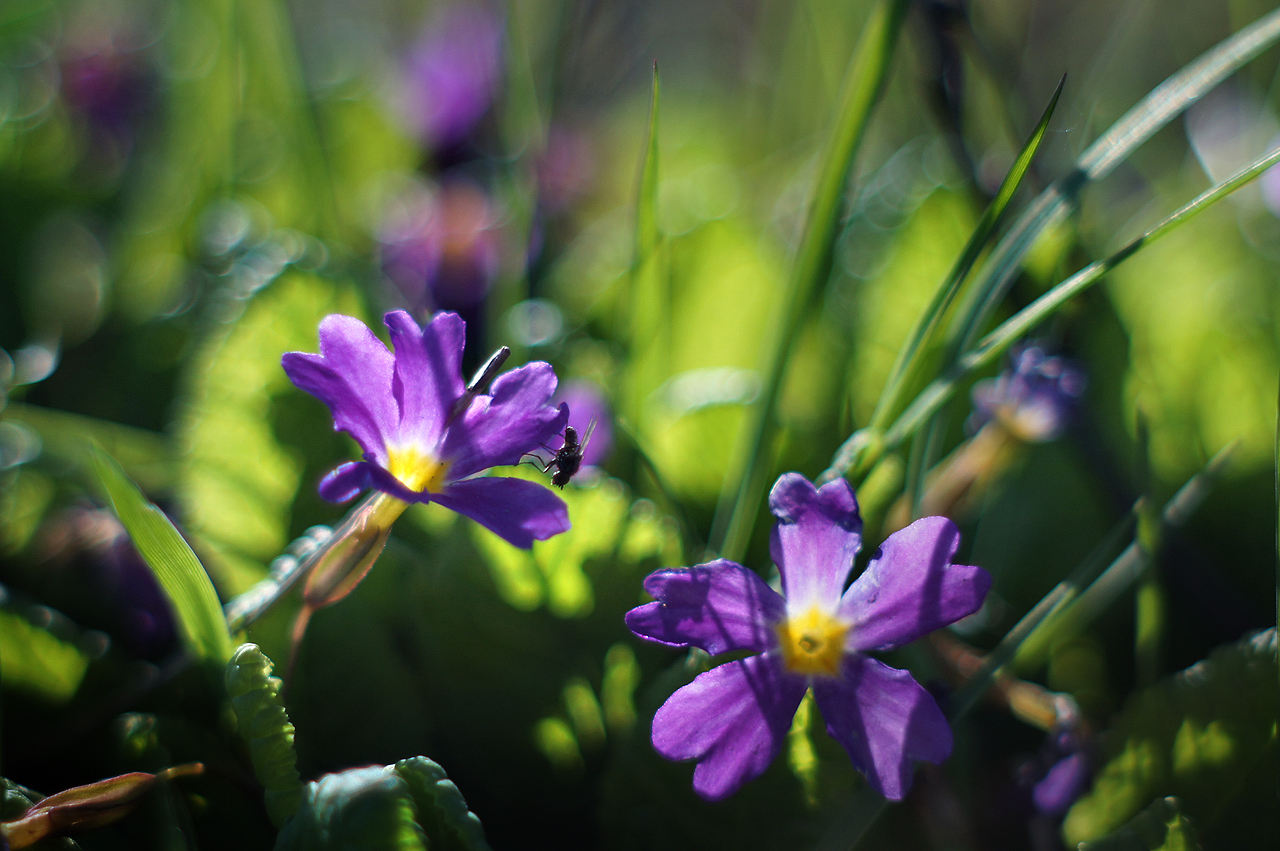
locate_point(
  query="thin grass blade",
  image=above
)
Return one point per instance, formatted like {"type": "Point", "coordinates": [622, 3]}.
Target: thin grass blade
{"type": "Point", "coordinates": [647, 197]}
{"type": "Point", "coordinates": [922, 337]}
{"type": "Point", "coordinates": [1021, 323]}
{"type": "Point", "coordinates": [864, 80]}
{"type": "Point", "coordinates": [1163, 104]}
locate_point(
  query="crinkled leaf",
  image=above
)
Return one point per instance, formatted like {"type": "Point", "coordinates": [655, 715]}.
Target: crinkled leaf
{"type": "Point", "coordinates": [183, 578]}
{"type": "Point", "coordinates": [264, 724]}
{"type": "Point", "coordinates": [441, 809]}
{"type": "Point", "coordinates": [1206, 735]}
{"type": "Point", "coordinates": [1160, 827]}
{"type": "Point", "coordinates": [369, 808]}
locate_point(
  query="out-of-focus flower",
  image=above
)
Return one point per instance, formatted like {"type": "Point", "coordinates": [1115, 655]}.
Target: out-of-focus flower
{"type": "Point", "coordinates": [451, 74]}
{"type": "Point", "coordinates": [94, 549]}
{"type": "Point", "coordinates": [733, 719]}
{"type": "Point", "coordinates": [588, 405]}
{"type": "Point", "coordinates": [442, 248]}
{"type": "Point", "coordinates": [564, 170]}
{"type": "Point", "coordinates": [425, 435]}
{"type": "Point", "coordinates": [1059, 774]}
{"type": "Point", "coordinates": [1034, 399]}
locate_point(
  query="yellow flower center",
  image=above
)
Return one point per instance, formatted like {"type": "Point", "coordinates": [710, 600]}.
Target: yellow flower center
{"type": "Point", "coordinates": [813, 643]}
{"type": "Point", "coordinates": [415, 470]}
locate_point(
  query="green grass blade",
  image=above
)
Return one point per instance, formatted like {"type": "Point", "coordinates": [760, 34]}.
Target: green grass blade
{"type": "Point", "coordinates": [179, 572]}
{"type": "Point", "coordinates": [864, 80]}
{"type": "Point", "coordinates": [1018, 325]}
{"type": "Point", "coordinates": [1164, 103]}
{"type": "Point", "coordinates": [922, 337]}
{"type": "Point", "coordinates": [647, 197]}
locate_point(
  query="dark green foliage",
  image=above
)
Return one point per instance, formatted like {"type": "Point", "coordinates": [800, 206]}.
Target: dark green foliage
{"type": "Point", "coordinates": [1206, 735]}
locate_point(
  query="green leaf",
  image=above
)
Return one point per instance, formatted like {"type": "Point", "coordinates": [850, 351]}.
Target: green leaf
{"type": "Point", "coordinates": [35, 660]}
{"type": "Point", "coordinates": [264, 725]}
{"type": "Point", "coordinates": [360, 808]}
{"type": "Point", "coordinates": [1206, 735]}
{"type": "Point", "coordinates": [864, 79]}
{"type": "Point", "coordinates": [1159, 827]}
{"type": "Point", "coordinates": [183, 578]}
{"type": "Point", "coordinates": [237, 484]}
{"type": "Point", "coordinates": [442, 811]}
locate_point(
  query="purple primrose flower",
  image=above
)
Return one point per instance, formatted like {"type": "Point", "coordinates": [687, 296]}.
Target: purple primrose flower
{"type": "Point", "coordinates": [732, 719]}
{"type": "Point", "coordinates": [1035, 399]}
{"type": "Point", "coordinates": [424, 435]}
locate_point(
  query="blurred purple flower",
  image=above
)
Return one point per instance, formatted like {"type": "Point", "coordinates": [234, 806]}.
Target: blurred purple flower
{"type": "Point", "coordinates": [588, 405]}
{"type": "Point", "coordinates": [442, 248]}
{"type": "Point", "coordinates": [452, 73]}
{"type": "Point", "coordinates": [564, 170]}
{"type": "Point", "coordinates": [1060, 774]}
{"type": "Point", "coordinates": [1034, 399]}
{"type": "Point", "coordinates": [733, 718]}
{"type": "Point", "coordinates": [424, 435]}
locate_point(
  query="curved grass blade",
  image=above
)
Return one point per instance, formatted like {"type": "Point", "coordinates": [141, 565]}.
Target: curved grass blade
{"type": "Point", "coordinates": [1018, 325]}
{"type": "Point", "coordinates": [922, 337]}
{"type": "Point", "coordinates": [864, 80]}
{"type": "Point", "coordinates": [1165, 102]}
{"type": "Point", "coordinates": [183, 578]}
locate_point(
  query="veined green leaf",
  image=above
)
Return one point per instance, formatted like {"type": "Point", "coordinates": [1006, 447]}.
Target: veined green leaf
{"type": "Point", "coordinates": [1159, 827]}
{"type": "Point", "coordinates": [1207, 735]}
{"type": "Point", "coordinates": [864, 80]}
{"type": "Point", "coordinates": [183, 578]}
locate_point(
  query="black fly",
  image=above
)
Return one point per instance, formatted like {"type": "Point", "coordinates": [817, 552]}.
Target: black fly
{"type": "Point", "coordinates": [568, 458]}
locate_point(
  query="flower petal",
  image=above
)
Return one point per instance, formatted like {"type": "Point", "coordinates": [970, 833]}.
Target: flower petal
{"type": "Point", "coordinates": [346, 481]}
{"type": "Point", "coordinates": [732, 719]}
{"type": "Point", "coordinates": [719, 606]}
{"type": "Point", "coordinates": [516, 510]}
{"type": "Point", "coordinates": [499, 429]}
{"type": "Point", "coordinates": [911, 588]}
{"type": "Point", "coordinates": [352, 375]}
{"type": "Point", "coordinates": [817, 536]}
{"type": "Point", "coordinates": [428, 374]}
{"type": "Point", "coordinates": [884, 719]}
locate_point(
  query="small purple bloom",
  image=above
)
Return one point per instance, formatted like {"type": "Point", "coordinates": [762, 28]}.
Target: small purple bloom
{"type": "Point", "coordinates": [732, 719]}
{"type": "Point", "coordinates": [1034, 400]}
{"type": "Point", "coordinates": [452, 73]}
{"type": "Point", "coordinates": [424, 437]}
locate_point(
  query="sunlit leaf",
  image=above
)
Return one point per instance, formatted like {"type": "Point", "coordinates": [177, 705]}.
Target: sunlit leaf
{"type": "Point", "coordinates": [183, 578]}
{"type": "Point", "coordinates": [1159, 827]}
{"type": "Point", "coordinates": [441, 810]}
{"type": "Point", "coordinates": [35, 661]}
{"type": "Point", "coordinates": [237, 483]}
{"type": "Point", "coordinates": [1206, 735]}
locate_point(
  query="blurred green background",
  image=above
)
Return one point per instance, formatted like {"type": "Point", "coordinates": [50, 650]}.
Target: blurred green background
{"type": "Point", "coordinates": [187, 187]}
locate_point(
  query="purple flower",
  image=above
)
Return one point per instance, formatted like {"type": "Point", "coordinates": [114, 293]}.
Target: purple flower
{"type": "Point", "coordinates": [442, 249]}
{"type": "Point", "coordinates": [452, 74]}
{"type": "Point", "coordinates": [732, 719]}
{"type": "Point", "coordinates": [1034, 400]}
{"type": "Point", "coordinates": [424, 435]}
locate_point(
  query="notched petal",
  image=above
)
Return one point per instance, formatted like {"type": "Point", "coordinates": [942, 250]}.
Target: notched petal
{"type": "Point", "coordinates": [720, 606]}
